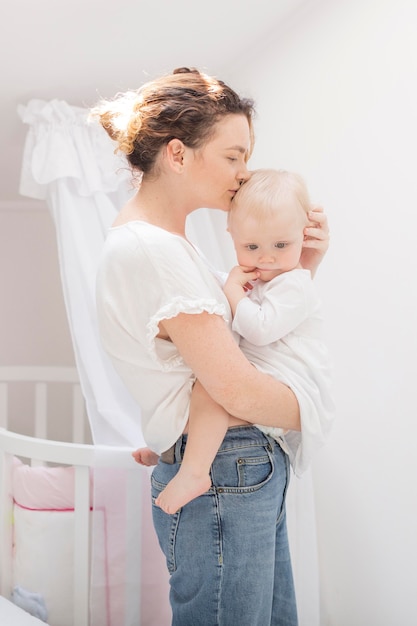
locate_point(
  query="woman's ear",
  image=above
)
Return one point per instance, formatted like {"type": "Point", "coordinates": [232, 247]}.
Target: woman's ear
{"type": "Point", "coordinates": [175, 154]}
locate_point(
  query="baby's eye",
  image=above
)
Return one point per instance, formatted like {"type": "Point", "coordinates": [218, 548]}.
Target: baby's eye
{"type": "Point", "coordinates": [252, 246]}
{"type": "Point", "coordinates": [280, 244]}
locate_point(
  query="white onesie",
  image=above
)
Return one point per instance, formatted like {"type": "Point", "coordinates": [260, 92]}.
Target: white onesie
{"type": "Point", "coordinates": [280, 324]}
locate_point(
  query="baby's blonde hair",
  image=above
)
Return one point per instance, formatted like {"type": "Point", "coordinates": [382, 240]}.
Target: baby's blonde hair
{"type": "Point", "coordinates": [265, 191]}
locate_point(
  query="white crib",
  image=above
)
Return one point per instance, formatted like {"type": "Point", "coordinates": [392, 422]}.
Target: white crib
{"type": "Point", "coordinates": [38, 450]}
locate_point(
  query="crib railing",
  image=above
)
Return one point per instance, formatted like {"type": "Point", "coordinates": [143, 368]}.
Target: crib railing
{"type": "Point", "coordinates": [39, 450]}
{"type": "Point", "coordinates": [83, 458]}
{"type": "Point", "coordinates": [41, 377]}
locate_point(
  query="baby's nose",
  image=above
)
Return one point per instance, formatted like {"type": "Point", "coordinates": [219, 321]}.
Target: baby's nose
{"type": "Point", "coordinates": [267, 258]}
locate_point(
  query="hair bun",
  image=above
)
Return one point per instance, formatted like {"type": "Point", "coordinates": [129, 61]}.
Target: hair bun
{"type": "Point", "coordinates": [185, 70]}
{"type": "Point", "coordinates": [121, 119]}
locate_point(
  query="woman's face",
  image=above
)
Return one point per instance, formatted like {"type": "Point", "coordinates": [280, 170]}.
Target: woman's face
{"type": "Point", "coordinates": [219, 167]}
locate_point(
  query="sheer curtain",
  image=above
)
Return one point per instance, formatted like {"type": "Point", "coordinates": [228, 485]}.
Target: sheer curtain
{"type": "Point", "coordinates": [70, 163]}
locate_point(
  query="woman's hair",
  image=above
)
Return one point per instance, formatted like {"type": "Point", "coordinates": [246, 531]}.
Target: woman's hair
{"type": "Point", "coordinates": [184, 105]}
{"type": "Point", "coordinates": [266, 191]}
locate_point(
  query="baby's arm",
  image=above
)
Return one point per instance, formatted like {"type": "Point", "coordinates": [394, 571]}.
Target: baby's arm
{"type": "Point", "coordinates": [285, 304]}
{"type": "Point", "coordinates": [207, 426]}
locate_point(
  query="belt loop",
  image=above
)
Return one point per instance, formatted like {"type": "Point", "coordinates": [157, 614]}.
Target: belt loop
{"type": "Point", "coordinates": [174, 453]}
{"type": "Point", "coordinates": [178, 450]}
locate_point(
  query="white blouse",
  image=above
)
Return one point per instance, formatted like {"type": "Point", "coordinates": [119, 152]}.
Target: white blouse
{"type": "Point", "coordinates": [147, 275]}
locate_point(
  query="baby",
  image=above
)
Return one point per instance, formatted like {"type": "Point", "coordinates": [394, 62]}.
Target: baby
{"type": "Point", "coordinates": [277, 317]}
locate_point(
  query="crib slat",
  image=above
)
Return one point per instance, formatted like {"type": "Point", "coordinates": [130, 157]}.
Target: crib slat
{"type": "Point", "coordinates": [78, 416]}
{"type": "Point", "coordinates": [6, 524]}
{"type": "Point", "coordinates": [41, 416]}
{"type": "Point", "coordinates": [3, 405]}
{"type": "Point", "coordinates": [41, 410]}
{"type": "Point", "coordinates": [81, 546]}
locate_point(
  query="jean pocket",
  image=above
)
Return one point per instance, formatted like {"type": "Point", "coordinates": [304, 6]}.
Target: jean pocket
{"type": "Point", "coordinates": [253, 472]}
{"type": "Point", "coordinates": [243, 471]}
{"type": "Point", "coordinates": [165, 525]}
{"type": "Point", "coordinates": [161, 475]}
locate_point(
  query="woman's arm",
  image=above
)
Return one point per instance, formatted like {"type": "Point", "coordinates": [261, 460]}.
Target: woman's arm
{"type": "Point", "coordinates": [316, 240]}
{"type": "Point", "coordinates": [207, 346]}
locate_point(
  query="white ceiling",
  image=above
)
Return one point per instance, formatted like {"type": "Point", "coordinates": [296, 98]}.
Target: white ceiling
{"type": "Point", "coordinates": [81, 50]}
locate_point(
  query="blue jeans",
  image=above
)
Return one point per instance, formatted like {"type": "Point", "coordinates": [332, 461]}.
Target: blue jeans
{"type": "Point", "coordinates": [227, 551]}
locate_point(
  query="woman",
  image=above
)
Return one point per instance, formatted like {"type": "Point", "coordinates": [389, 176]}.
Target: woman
{"type": "Point", "coordinates": [165, 321]}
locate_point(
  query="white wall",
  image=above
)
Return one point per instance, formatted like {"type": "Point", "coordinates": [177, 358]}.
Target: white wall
{"type": "Point", "coordinates": [33, 322]}
{"type": "Point", "coordinates": [336, 89]}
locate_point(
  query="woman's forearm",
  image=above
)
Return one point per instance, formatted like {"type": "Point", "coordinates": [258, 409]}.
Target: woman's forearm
{"type": "Point", "coordinates": [278, 408]}
{"type": "Point", "coordinates": [207, 346]}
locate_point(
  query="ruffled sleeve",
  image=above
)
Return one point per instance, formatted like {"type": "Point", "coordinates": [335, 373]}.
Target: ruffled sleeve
{"type": "Point", "coordinates": [144, 286]}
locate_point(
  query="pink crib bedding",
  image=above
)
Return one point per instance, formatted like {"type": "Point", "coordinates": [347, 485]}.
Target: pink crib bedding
{"type": "Point", "coordinates": [43, 488]}
{"type": "Point", "coordinates": [43, 550]}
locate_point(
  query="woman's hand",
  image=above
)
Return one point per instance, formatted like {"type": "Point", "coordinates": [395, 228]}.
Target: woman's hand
{"type": "Point", "coordinates": [316, 240]}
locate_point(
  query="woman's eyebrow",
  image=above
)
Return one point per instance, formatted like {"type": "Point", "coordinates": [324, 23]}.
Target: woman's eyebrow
{"type": "Point", "coordinates": [238, 148]}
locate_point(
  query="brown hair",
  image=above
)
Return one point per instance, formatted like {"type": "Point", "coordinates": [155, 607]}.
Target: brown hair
{"type": "Point", "coordinates": [184, 105]}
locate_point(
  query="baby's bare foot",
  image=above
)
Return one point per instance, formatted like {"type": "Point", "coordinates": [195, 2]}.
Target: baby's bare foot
{"type": "Point", "coordinates": [183, 488]}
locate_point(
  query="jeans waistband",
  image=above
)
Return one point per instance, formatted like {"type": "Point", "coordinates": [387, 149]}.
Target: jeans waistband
{"type": "Point", "coordinates": [237, 436]}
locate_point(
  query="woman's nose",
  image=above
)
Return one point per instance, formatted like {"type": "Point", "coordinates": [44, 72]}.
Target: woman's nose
{"type": "Point", "coordinates": [243, 175]}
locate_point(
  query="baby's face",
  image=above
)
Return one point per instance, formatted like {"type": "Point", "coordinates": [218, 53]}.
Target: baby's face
{"type": "Point", "coordinates": [272, 245]}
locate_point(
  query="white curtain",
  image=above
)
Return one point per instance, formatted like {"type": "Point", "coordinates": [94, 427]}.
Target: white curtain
{"type": "Point", "coordinates": [70, 163]}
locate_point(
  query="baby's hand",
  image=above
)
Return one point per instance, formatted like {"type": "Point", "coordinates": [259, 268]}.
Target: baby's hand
{"type": "Point", "coordinates": [241, 276]}
{"type": "Point", "coordinates": [238, 283]}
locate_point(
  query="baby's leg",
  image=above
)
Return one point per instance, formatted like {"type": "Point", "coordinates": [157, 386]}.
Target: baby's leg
{"type": "Point", "coordinates": [145, 456]}
{"type": "Point", "coordinates": [207, 426]}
